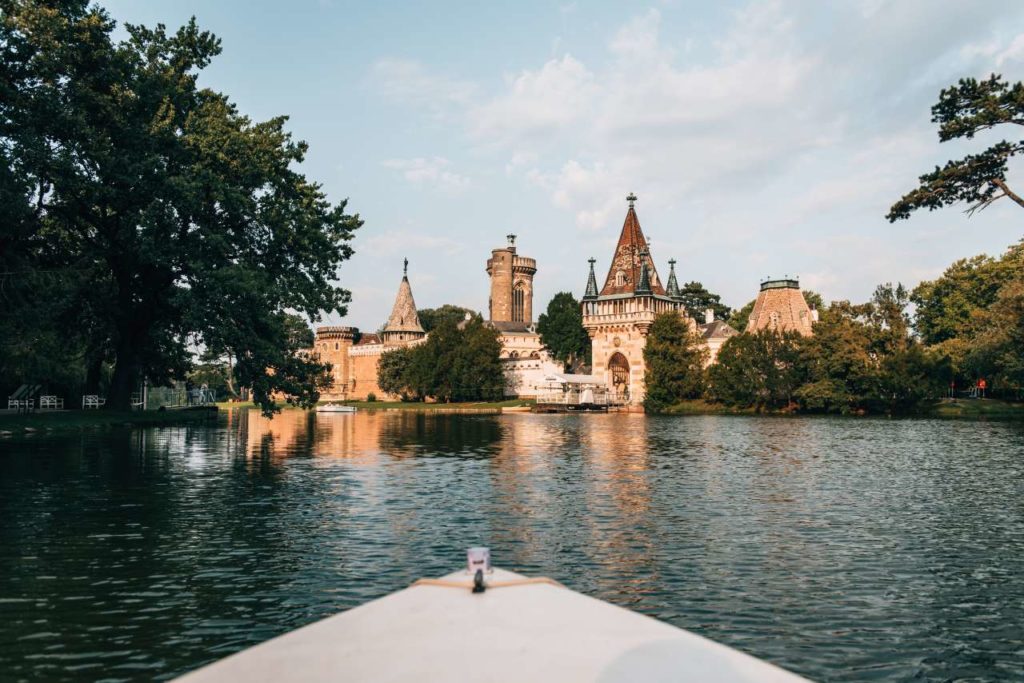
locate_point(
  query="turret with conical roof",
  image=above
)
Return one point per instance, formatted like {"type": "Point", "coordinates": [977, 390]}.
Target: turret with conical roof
{"type": "Point", "coordinates": [672, 288]}
{"type": "Point", "coordinates": [404, 323]}
{"type": "Point", "coordinates": [631, 253]}
{"type": "Point", "coordinates": [591, 292]}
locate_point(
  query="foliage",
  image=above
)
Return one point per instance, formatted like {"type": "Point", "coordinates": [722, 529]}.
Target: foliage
{"type": "Point", "coordinates": [562, 333]}
{"type": "Point", "coordinates": [454, 364]}
{"type": "Point", "coordinates": [674, 356]}
{"type": "Point", "coordinates": [168, 218]}
{"type": "Point", "coordinates": [962, 111]}
{"type": "Point", "coordinates": [432, 317]}
{"type": "Point", "coordinates": [393, 372]}
{"type": "Point", "coordinates": [371, 397]}
{"type": "Point", "coordinates": [945, 306]}
{"type": "Point", "coordinates": [738, 319]}
{"type": "Point", "coordinates": [997, 350]}
{"type": "Point", "coordinates": [758, 370]}
{"type": "Point", "coordinates": [862, 359]}
{"type": "Point", "coordinates": [697, 300]}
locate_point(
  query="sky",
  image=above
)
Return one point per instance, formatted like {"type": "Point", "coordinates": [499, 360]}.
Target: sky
{"type": "Point", "coordinates": [761, 138]}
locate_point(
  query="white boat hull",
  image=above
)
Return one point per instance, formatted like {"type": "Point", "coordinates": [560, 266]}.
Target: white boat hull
{"type": "Point", "coordinates": [335, 409]}
{"type": "Point", "coordinates": [535, 632]}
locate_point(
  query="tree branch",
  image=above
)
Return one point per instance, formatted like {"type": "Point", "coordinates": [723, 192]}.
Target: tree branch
{"type": "Point", "coordinates": [1001, 184]}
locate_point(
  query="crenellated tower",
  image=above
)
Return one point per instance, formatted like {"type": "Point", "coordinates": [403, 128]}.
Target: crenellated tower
{"type": "Point", "coordinates": [511, 285]}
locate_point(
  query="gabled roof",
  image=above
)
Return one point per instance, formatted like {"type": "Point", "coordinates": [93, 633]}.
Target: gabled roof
{"type": "Point", "coordinates": [627, 258]}
{"type": "Point", "coordinates": [717, 328]}
{"type": "Point", "coordinates": [403, 315]}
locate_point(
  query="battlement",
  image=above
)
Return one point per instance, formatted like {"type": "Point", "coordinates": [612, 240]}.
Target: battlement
{"type": "Point", "coordinates": [522, 264]}
{"type": "Point", "coordinates": [339, 332]}
{"type": "Point", "coordinates": [780, 284]}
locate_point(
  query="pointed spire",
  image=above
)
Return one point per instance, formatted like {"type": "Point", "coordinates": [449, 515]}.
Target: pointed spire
{"type": "Point", "coordinates": [626, 266]}
{"type": "Point", "coordinates": [672, 288]}
{"type": "Point", "coordinates": [591, 292]}
{"type": "Point", "coordinates": [404, 323]}
{"type": "Point", "coordinates": [644, 286]}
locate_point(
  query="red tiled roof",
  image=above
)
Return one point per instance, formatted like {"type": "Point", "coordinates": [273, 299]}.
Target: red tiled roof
{"type": "Point", "coordinates": [627, 259]}
{"type": "Point", "coordinates": [368, 339]}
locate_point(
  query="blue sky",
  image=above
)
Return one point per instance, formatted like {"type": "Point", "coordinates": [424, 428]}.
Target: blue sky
{"type": "Point", "coordinates": [764, 138]}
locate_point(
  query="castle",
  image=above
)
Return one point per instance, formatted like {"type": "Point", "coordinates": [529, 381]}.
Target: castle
{"type": "Point", "coordinates": [617, 317]}
{"type": "Point", "coordinates": [354, 357]}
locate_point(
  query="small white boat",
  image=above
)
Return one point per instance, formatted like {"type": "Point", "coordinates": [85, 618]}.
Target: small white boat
{"type": "Point", "coordinates": [335, 408]}
{"type": "Point", "coordinates": [517, 629]}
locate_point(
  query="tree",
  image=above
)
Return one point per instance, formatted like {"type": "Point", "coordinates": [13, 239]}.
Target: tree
{"type": "Point", "coordinates": [757, 370]}
{"type": "Point", "coordinates": [176, 220]}
{"type": "Point", "coordinates": [697, 300]}
{"type": "Point", "coordinates": [562, 333]}
{"type": "Point", "coordinates": [674, 358]}
{"type": "Point", "coordinates": [863, 359]}
{"type": "Point", "coordinates": [997, 349]}
{"type": "Point", "coordinates": [945, 306]}
{"type": "Point", "coordinates": [738, 319]}
{"type": "Point", "coordinates": [394, 372]}
{"type": "Point", "coordinates": [432, 317]}
{"type": "Point", "coordinates": [456, 363]}
{"type": "Point", "coordinates": [962, 111]}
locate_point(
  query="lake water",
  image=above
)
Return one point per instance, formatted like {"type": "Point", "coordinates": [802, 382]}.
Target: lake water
{"type": "Point", "coordinates": [842, 549]}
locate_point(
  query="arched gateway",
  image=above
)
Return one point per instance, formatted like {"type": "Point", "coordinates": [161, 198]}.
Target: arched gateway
{"type": "Point", "coordinates": [618, 371]}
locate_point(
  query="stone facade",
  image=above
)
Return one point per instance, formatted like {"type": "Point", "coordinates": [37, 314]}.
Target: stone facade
{"type": "Point", "coordinates": [523, 357]}
{"type": "Point", "coordinates": [781, 306]}
{"type": "Point", "coordinates": [355, 358]}
{"type": "Point", "coordinates": [511, 285]}
{"type": "Point", "coordinates": [619, 318]}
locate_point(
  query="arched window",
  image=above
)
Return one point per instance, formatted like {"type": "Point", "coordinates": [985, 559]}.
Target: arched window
{"type": "Point", "coordinates": [519, 303]}
{"type": "Point", "coordinates": [620, 278]}
{"type": "Point", "coordinates": [336, 346]}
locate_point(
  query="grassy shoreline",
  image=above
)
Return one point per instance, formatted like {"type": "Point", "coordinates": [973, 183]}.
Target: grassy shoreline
{"type": "Point", "coordinates": [470, 406]}
{"type": "Point", "coordinates": [952, 409]}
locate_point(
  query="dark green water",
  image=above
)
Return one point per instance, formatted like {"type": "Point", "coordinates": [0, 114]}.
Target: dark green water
{"type": "Point", "coordinates": [845, 550]}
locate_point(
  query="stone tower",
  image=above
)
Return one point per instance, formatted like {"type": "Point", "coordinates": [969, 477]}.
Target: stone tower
{"type": "Point", "coordinates": [404, 324]}
{"type": "Point", "coordinates": [619, 317]}
{"type": "Point", "coordinates": [332, 346]}
{"type": "Point", "coordinates": [511, 285]}
{"type": "Point", "coordinates": [781, 306]}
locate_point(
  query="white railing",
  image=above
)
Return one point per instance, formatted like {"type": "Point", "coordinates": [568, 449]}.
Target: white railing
{"type": "Point", "coordinates": [92, 401]}
{"type": "Point", "coordinates": [51, 403]}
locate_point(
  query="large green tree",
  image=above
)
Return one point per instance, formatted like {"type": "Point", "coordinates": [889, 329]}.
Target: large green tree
{"type": "Point", "coordinates": [455, 363]}
{"type": "Point", "coordinates": [562, 333]}
{"type": "Point", "coordinates": [739, 318]}
{"type": "Point", "coordinates": [172, 219]}
{"type": "Point", "coordinates": [697, 300]}
{"type": "Point", "coordinates": [432, 317]}
{"type": "Point", "coordinates": [963, 111]}
{"type": "Point", "coordinates": [674, 358]}
{"type": "Point", "coordinates": [758, 370]}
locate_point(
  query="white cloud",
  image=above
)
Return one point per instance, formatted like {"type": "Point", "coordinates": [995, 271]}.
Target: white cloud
{"type": "Point", "coordinates": [433, 172]}
{"type": "Point", "coordinates": [409, 82]}
{"type": "Point", "coordinates": [408, 241]}
{"type": "Point", "coordinates": [795, 124]}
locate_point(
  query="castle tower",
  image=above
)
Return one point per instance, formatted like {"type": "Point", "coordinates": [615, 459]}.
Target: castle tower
{"type": "Point", "coordinates": [511, 285]}
{"type": "Point", "coordinates": [781, 306]}
{"type": "Point", "coordinates": [620, 316]}
{"type": "Point", "coordinates": [331, 345]}
{"type": "Point", "coordinates": [404, 324]}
